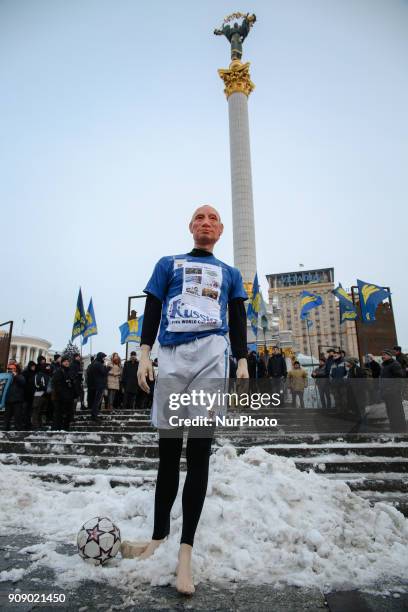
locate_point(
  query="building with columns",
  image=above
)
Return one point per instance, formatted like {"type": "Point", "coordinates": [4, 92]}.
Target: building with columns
{"type": "Point", "coordinates": [28, 348]}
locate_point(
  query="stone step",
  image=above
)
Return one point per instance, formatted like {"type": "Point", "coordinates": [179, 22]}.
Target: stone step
{"type": "Point", "coordinates": [148, 449]}
{"type": "Point", "coordinates": [244, 437]}
{"type": "Point", "coordinates": [322, 464]}
{"type": "Point", "coordinates": [293, 428]}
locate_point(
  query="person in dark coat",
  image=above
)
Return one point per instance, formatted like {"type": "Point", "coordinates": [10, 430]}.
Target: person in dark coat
{"type": "Point", "coordinates": [98, 380]}
{"type": "Point", "coordinates": [277, 372]}
{"type": "Point", "coordinates": [337, 381]}
{"type": "Point", "coordinates": [41, 386]}
{"type": "Point", "coordinates": [252, 371]}
{"type": "Point", "coordinates": [76, 367]}
{"type": "Point", "coordinates": [321, 378]}
{"type": "Point", "coordinates": [374, 366]}
{"type": "Point", "coordinates": [65, 392]}
{"type": "Point", "coordinates": [373, 370]}
{"type": "Point", "coordinates": [90, 390]}
{"type": "Point", "coordinates": [56, 364]}
{"type": "Point", "coordinates": [402, 360]}
{"type": "Point", "coordinates": [329, 361]}
{"type": "Point", "coordinates": [356, 391]}
{"type": "Point", "coordinates": [262, 371]}
{"type": "Point", "coordinates": [15, 399]}
{"type": "Point", "coordinates": [29, 374]}
{"type": "Point", "coordinates": [129, 381]}
{"type": "Point", "coordinates": [391, 391]}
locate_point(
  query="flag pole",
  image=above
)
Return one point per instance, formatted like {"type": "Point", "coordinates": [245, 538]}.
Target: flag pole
{"type": "Point", "coordinates": [310, 342]}
{"type": "Point", "coordinates": [311, 355]}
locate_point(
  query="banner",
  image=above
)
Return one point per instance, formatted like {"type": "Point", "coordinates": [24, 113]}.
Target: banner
{"type": "Point", "coordinates": [254, 306]}
{"type": "Point", "coordinates": [348, 311]}
{"type": "Point", "coordinates": [370, 296]}
{"type": "Point", "coordinates": [309, 301]}
{"type": "Point", "coordinates": [131, 330]}
{"type": "Point", "coordinates": [79, 318]}
{"type": "Point", "coordinates": [91, 329]}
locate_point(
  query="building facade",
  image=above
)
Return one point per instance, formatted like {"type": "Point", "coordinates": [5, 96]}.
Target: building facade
{"type": "Point", "coordinates": [326, 330]}
{"type": "Point", "coordinates": [28, 348]}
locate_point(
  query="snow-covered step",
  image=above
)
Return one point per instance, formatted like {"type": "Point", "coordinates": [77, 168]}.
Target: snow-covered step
{"type": "Point", "coordinates": [317, 464]}
{"type": "Point", "coordinates": [82, 449]}
{"type": "Point", "coordinates": [380, 481]}
{"type": "Point", "coordinates": [225, 436]}
{"type": "Point", "coordinates": [142, 448]}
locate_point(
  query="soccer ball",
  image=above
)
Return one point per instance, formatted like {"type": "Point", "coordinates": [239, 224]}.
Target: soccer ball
{"type": "Point", "coordinates": [98, 540]}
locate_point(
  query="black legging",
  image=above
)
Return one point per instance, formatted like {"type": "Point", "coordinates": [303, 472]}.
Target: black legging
{"type": "Point", "coordinates": [195, 486]}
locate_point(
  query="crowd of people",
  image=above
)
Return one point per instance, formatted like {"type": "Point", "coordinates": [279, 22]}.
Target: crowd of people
{"type": "Point", "coordinates": [45, 394]}
{"type": "Point", "coordinates": [341, 382]}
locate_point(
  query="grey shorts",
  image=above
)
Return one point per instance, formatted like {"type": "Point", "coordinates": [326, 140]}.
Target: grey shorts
{"type": "Point", "coordinates": [200, 366]}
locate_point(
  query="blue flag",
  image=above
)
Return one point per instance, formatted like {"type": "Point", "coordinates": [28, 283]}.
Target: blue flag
{"type": "Point", "coordinates": [308, 301]}
{"type": "Point", "coordinates": [79, 318]}
{"type": "Point", "coordinates": [91, 329]}
{"type": "Point", "coordinates": [370, 296]}
{"type": "Point", "coordinates": [131, 330]}
{"type": "Point", "coordinates": [254, 306]}
{"type": "Point", "coordinates": [348, 311]}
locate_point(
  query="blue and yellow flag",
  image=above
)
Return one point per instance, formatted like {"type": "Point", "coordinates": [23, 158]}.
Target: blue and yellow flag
{"type": "Point", "coordinates": [79, 318]}
{"type": "Point", "coordinates": [91, 329]}
{"type": "Point", "coordinates": [370, 296]}
{"type": "Point", "coordinates": [348, 311]}
{"type": "Point", "coordinates": [308, 301]}
{"type": "Point", "coordinates": [254, 306]}
{"type": "Point", "coordinates": [131, 330]}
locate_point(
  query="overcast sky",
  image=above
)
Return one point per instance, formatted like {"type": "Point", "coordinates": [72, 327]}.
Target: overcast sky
{"type": "Point", "coordinates": [114, 127]}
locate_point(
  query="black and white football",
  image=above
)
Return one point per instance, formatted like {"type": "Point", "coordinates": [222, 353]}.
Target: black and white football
{"type": "Point", "coordinates": [98, 540]}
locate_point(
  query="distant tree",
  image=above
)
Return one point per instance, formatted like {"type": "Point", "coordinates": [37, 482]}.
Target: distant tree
{"type": "Point", "coordinates": [71, 350]}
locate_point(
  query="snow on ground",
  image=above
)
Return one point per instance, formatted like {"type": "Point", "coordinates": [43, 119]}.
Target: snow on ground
{"type": "Point", "coordinates": [263, 521]}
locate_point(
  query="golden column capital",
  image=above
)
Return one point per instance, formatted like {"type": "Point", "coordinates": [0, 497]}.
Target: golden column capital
{"type": "Point", "coordinates": [237, 78]}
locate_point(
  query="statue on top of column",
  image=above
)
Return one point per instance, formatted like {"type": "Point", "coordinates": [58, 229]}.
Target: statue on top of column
{"type": "Point", "coordinates": [236, 34]}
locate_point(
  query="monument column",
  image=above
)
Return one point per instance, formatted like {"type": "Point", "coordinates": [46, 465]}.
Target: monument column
{"type": "Point", "coordinates": [238, 86]}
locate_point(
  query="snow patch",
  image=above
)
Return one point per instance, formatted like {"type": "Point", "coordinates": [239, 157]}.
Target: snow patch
{"type": "Point", "coordinates": [263, 521]}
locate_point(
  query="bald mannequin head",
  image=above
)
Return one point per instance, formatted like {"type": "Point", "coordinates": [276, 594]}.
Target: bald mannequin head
{"type": "Point", "coordinates": [206, 227]}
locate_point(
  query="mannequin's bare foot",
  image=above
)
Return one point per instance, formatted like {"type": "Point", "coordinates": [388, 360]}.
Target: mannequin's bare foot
{"type": "Point", "coordinates": [130, 550]}
{"type": "Point", "coordinates": [150, 548]}
{"type": "Point", "coordinates": [184, 580]}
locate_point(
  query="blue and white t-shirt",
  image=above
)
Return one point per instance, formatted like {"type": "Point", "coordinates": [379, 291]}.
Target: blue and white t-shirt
{"type": "Point", "coordinates": [195, 292]}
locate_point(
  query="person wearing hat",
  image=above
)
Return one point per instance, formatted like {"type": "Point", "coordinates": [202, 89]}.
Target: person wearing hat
{"type": "Point", "coordinates": [391, 391]}
{"type": "Point", "coordinates": [322, 383]}
{"type": "Point", "coordinates": [337, 381]}
{"type": "Point", "coordinates": [129, 381]}
{"type": "Point", "coordinates": [277, 372]}
{"type": "Point", "coordinates": [297, 382]}
{"type": "Point", "coordinates": [402, 360]}
{"type": "Point", "coordinates": [97, 377]}
{"type": "Point", "coordinates": [65, 392]}
{"type": "Point", "coordinates": [15, 398]}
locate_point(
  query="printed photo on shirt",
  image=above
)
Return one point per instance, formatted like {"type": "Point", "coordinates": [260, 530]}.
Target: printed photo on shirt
{"type": "Point", "coordinates": [194, 279]}
{"type": "Point", "coordinates": [193, 290]}
{"type": "Point", "coordinates": [192, 270]}
{"type": "Point", "coordinates": [210, 293]}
